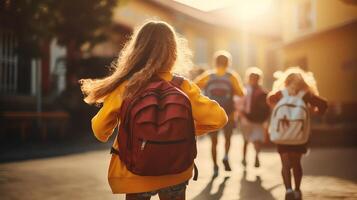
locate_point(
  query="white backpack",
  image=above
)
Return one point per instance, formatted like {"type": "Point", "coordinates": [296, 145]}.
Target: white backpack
{"type": "Point", "coordinates": [290, 120]}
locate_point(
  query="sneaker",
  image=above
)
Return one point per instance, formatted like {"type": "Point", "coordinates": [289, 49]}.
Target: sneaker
{"type": "Point", "coordinates": [297, 195]}
{"type": "Point", "coordinates": [215, 171]}
{"type": "Point", "coordinates": [257, 163]}
{"type": "Point", "coordinates": [227, 167]}
{"type": "Point", "coordinates": [289, 195]}
{"type": "Point", "coordinates": [244, 163]}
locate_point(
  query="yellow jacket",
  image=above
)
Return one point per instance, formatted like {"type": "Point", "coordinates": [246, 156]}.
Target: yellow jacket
{"type": "Point", "coordinates": [235, 79]}
{"type": "Point", "coordinates": [208, 116]}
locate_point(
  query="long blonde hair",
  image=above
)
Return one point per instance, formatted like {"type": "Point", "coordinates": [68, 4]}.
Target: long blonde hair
{"type": "Point", "coordinates": [305, 80]}
{"type": "Point", "coordinates": [154, 47]}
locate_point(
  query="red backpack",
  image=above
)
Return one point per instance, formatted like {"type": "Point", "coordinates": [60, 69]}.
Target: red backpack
{"type": "Point", "coordinates": [157, 133]}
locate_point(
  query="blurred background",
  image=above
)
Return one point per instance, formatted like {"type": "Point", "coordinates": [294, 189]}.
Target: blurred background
{"type": "Point", "coordinates": [47, 46]}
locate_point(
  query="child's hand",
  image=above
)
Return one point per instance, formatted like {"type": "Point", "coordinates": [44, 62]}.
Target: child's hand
{"type": "Point", "coordinates": [314, 110]}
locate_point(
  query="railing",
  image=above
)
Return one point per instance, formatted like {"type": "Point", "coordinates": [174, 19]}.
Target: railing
{"type": "Point", "coordinates": [8, 63]}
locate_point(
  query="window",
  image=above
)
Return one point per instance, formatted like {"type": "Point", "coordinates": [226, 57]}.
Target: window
{"type": "Point", "coordinates": [201, 50]}
{"type": "Point", "coordinates": [8, 63]}
{"type": "Point", "coordinates": [305, 16]}
{"type": "Point", "coordinates": [234, 49]}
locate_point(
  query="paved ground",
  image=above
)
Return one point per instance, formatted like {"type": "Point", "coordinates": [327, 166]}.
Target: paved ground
{"type": "Point", "coordinates": [329, 174]}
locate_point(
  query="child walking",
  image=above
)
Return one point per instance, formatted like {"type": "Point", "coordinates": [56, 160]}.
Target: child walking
{"type": "Point", "coordinates": [293, 96]}
{"type": "Point", "coordinates": [221, 85]}
{"type": "Point", "coordinates": [158, 114]}
{"type": "Point", "coordinates": [253, 112]}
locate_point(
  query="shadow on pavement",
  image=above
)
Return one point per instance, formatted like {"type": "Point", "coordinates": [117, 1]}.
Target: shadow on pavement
{"type": "Point", "coordinates": [254, 190]}
{"type": "Point", "coordinates": [335, 162]}
{"type": "Point", "coordinates": [206, 194]}
{"type": "Point", "coordinates": [12, 152]}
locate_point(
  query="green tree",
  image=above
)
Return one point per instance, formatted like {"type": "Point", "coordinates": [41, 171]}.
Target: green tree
{"type": "Point", "coordinates": [74, 23]}
{"type": "Point", "coordinates": [82, 21]}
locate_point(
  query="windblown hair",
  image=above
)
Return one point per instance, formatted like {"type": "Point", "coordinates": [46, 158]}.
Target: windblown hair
{"type": "Point", "coordinates": [154, 47]}
{"type": "Point", "coordinates": [304, 80]}
{"type": "Point", "coordinates": [254, 70]}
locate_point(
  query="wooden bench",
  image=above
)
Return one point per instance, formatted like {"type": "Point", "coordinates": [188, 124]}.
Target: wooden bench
{"type": "Point", "coordinates": [24, 120]}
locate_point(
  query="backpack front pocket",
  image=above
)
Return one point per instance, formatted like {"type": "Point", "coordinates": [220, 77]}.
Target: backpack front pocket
{"type": "Point", "coordinates": [155, 158]}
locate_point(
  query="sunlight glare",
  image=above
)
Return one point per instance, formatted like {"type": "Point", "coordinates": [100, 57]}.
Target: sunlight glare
{"type": "Point", "coordinates": [241, 10]}
{"type": "Point", "coordinates": [206, 5]}
{"type": "Point", "coordinates": [248, 10]}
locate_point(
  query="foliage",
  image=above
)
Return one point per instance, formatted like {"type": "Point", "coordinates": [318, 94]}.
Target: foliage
{"type": "Point", "coordinates": [74, 23]}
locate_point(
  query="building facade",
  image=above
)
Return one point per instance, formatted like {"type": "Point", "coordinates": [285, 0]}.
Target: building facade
{"type": "Point", "coordinates": [320, 36]}
{"type": "Point", "coordinates": [206, 32]}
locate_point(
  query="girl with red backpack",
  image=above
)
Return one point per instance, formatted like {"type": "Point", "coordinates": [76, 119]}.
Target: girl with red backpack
{"type": "Point", "coordinates": [158, 114]}
{"type": "Point", "coordinates": [294, 97]}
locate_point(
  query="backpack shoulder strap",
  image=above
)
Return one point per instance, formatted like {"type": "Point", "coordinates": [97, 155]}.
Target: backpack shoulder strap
{"type": "Point", "coordinates": [228, 74]}
{"type": "Point", "coordinates": [212, 76]}
{"type": "Point", "coordinates": [301, 94]}
{"type": "Point", "coordinates": [285, 93]}
{"type": "Point", "coordinates": [177, 81]}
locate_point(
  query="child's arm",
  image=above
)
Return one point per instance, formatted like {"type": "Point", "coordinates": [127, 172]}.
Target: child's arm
{"type": "Point", "coordinates": [201, 80]}
{"type": "Point", "coordinates": [273, 99]}
{"type": "Point", "coordinates": [208, 114]}
{"type": "Point", "coordinates": [237, 84]}
{"type": "Point", "coordinates": [105, 121]}
{"type": "Point", "coordinates": [316, 102]}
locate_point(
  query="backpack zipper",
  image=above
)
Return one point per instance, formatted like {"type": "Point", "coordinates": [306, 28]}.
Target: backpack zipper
{"type": "Point", "coordinates": [144, 142]}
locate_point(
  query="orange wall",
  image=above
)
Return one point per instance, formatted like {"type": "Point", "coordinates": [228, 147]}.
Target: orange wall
{"type": "Point", "coordinates": [327, 14]}
{"type": "Point", "coordinates": [333, 12]}
{"type": "Point", "coordinates": [326, 55]}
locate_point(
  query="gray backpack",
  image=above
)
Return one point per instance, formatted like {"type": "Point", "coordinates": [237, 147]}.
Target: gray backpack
{"type": "Point", "coordinates": [220, 89]}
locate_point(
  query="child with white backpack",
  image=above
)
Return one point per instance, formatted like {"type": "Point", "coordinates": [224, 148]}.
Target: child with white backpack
{"type": "Point", "coordinates": [294, 98]}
